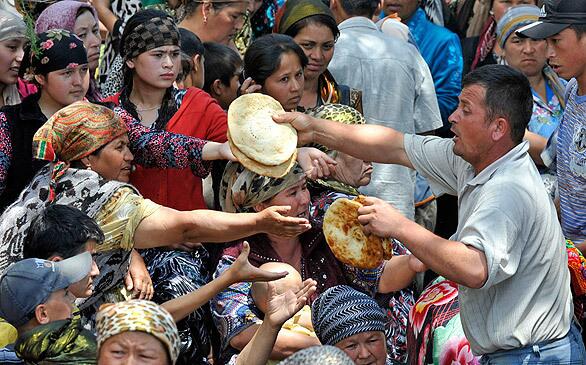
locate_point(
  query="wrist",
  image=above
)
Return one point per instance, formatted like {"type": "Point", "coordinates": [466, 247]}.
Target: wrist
{"type": "Point", "coordinates": [209, 151]}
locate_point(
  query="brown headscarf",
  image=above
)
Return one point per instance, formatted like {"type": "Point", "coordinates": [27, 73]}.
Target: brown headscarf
{"type": "Point", "coordinates": [296, 10]}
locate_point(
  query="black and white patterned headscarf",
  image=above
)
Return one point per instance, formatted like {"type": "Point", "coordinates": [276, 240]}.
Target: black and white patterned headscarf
{"type": "Point", "coordinates": [342, 311]}
{"type": "Point", "coordinates": [157, 32]}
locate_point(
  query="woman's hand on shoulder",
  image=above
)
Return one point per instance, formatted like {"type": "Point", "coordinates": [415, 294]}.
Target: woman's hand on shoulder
{"type": "Point", "coordinates": [315, 163]}
{"type": "Point", "coordinates": [243, 271]}
{"type": "Point", "coordinates": [274, 220]}
{"type": "Point", "coordinates": [249, 86]}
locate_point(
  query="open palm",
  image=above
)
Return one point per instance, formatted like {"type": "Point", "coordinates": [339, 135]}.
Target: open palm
{"type": "Point", "coordinates": [283, 306]}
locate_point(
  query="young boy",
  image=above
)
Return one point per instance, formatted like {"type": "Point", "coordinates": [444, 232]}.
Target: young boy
{"type": "Point", "coordinates": [563, 25]}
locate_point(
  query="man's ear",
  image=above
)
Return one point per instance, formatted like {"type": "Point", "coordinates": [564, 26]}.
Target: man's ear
{"type": "Point", "coordinates": [41, 314]}
{"type": "Point", "coordinates": [130, 64]}
{"type": "Point", "coordinates": [196, 62]}
{"type": "Point", "coordinates": [500, 129]}
{"type": "Point", "coordinates": [41, 80]}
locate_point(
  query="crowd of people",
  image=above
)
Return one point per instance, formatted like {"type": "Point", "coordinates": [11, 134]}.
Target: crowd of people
{"type": "Point", "coordinates": [131, 234]}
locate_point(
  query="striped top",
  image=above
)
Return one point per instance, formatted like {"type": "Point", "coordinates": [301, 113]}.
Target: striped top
{"type": "Point", "coordinates": [571, 164]}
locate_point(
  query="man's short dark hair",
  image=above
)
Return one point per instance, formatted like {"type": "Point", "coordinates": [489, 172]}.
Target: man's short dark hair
{"type": "Point", "coordinates": [507, 95]}
{"type": "Point", "coordinates": [60, 230]}
{"type": "Point", "coordinates": [580, 29]}
{"type": "Point", "coordinates": [359, 7]}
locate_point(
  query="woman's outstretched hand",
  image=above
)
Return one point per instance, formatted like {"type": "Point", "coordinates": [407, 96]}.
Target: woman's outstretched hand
{"type": "Point", "coordinates": [243, 271]}
{"type": "Point", "coordinates": [274, 220]}
{"type": "Point", "coordinates": [282, 307]}
{"type": "Point", "coordinates": [315, 163]}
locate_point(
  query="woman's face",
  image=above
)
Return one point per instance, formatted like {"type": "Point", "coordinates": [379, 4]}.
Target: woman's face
{"type": "Point", "coordinates": [352, 171]}
{"type": "Point", "coordinates": [296, 196]}
{"type": "Point", "coordinates": [317, 41]}
{"type": "Point", "coordinates": [11, 53]}
{"type": "Point", "coordinates": [286, 82]}
{"type": "Point", "coordinates": [224, 23]}
{"type": "Point", "coordinates": [157, 68]}
{"type": "Point", "coordinates": [499, 7]}
{"type": "Point", "coordinates": [88, 30]}
{"type": "Point", "coordinates": [365, 348]}
{"type": "Point", "coordinates": [114, 161]}
{"type": "Point", "coordinates": [526, 55]}
{"type": "Point", "coordinates": [132, 348]}
{"type": "Point", "coordinates": [66, 86]}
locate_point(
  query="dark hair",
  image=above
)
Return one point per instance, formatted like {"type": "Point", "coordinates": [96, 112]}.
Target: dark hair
{"type": "Point", "coordinates": [507, 95]}
{"type": "Point", "coordinates": [319, 19]}
{"type": "Point", "coordinates": [263, 56]}
{"type": "Point", "coordinates": [168, 106]}
{"type": "Point", "coordinates": [221, 63]}
{"type": "Point", "coordinates": [580, 29]}
{"type": "Point", "coordinates": [191, 46]}
{"type": "Point", "coordinates": [191, 6]}
{"type": "Point", "coordinates": [60, 230]}
{"type": "Point", "coordinates": [359, 7]}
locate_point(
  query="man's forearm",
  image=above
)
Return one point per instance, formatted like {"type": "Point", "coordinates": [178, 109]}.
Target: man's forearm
{"type": "Point", "coordinates": [367, 142]}
{"type": "Point", "coordinates": [452, 259]}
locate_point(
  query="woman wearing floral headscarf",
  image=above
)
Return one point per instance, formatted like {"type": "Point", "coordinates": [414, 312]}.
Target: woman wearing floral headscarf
{"type": "Point", "coordinates": [90, 169]}
{"type": "Point", "coordinates": [234, 312]}
{"type": "Point", "coordinates": [81, 19]}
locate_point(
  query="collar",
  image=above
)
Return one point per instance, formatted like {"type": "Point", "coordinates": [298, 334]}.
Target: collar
{"type": "Point", "coordinates": [30, 109]}
{"type": "Point", "coordinates": [517, 153]}
{"type": "Point", "coordinates": [357, 22]}
{"type": "Point", "coordinates": [417, 18]}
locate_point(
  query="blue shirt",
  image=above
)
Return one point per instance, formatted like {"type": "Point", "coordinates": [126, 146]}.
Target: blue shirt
{"type": "Point", "coordinates": [441, 50]}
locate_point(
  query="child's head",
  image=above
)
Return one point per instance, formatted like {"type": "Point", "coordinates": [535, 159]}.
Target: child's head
{"type": "Point", "coordinates": [292, 281]}
{"type": "Point", "coordinates": [192, 60]}
{"type": "Point", "coordinates": [60, 232]}
{"type": "Point", "coordinates": [223, 67]}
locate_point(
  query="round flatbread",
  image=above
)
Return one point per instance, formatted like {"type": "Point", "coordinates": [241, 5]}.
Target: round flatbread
{"type": "Point", "coordinates": [254, 132]}
{"type": "Point", "coordinates": [277, 171]}
{"type": "Point", "coordinates": [348, 241]}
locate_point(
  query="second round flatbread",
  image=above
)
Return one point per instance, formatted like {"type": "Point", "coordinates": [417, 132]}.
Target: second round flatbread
{"type": "Point", "coordinates": [256, 135]}
{"type": "Point", "coordinates": [348, 241]}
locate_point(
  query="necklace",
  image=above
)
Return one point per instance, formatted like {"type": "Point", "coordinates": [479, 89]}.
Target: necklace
{"type": "Point", "coordinates": [144, 109]}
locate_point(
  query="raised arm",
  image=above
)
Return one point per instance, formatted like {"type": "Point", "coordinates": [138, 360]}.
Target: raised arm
{"type": "Point", "coordinates": [366, 142]}
{"type": "Point", "coordinates": [168, 226]}
{"type": "Point", "coordinates": [241, 270]}
{"type": "Point", "coordinates": [279, 309]}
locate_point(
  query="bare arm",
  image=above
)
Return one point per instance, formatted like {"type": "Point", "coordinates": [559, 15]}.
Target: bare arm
{"type": "Point", "coordinates": [280, 308]}
{"type": "Point", "coordinates": [168, 226]}
{"type": "Point", "coordinates": [105, 14]}
{"type": "Point", "coordinates": [399, 272]}
{"type": "Point", "coordinates": [537, 144]}
{"type": "Point", "coordinates": [366, 142]}
{"type": "Point", "coordinates": [241, 270]}
{"type": "Point", "coordinates": [452, 259]}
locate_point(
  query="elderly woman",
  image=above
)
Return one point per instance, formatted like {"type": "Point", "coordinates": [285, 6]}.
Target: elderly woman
{"type": "Point", "coordinates": [88, 145]}
{"type": "Point", "coordinates": [234, 311]}
{"type": "Point", "coordinates": [353, 322]}
{"type": "Point", "coordinates": [312, 26]}
{"type": "Point", "coordinates": [12, 40]}
{"type": "Point", "coordinates": [81, 19]}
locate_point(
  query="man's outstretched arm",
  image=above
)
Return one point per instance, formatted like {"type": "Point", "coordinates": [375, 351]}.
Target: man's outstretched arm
{"type": "Point", "coordinates": [367, 142]}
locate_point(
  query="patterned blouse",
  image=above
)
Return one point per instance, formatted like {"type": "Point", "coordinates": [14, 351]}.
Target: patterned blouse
{"type": "Point", "coordinates": [151, 148]}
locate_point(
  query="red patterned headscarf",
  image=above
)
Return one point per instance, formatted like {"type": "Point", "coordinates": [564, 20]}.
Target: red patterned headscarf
{"type": "Point", "coordinates": [74, 132]}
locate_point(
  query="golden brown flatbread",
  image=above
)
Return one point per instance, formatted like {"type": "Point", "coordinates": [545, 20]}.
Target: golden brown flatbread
{"type": "Point", "coordinates": [348, 241]}
{"type": "Point", "coordinates": [254, 132]}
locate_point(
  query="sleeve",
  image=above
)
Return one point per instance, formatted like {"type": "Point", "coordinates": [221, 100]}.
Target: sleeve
{"type": "Point", "coordinates": [154, 148]}
{"type": "Point", "coordinates": [233, 309]}
{"type": "Point", "coordinates": [448, 77]}
{"type": "Point", "coordinates": [120, 217]}
{"type": "Point", "coordinates": [493, 229]}
{"type": "Point", "coordinates": [5, 151]}
{"type": "Point", "coordinates": [427, 114]}
{"type": "Point", "coordinates": [365, 280]}
{"type": "Point", "coordinates": [433, 158]}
